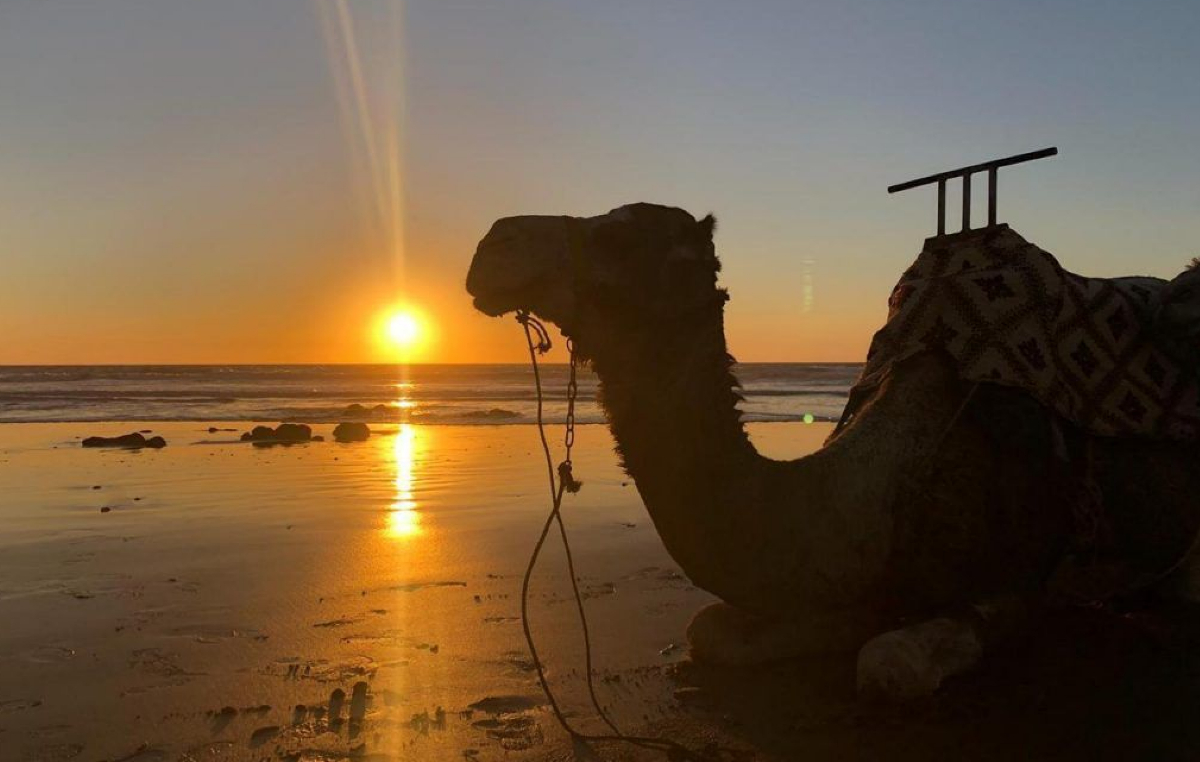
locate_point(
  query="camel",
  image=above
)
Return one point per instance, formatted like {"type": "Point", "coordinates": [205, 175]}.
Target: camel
{"type": "Point", "coordinates": [923, 533]}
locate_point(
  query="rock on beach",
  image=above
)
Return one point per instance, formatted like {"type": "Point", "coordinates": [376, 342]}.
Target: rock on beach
{"type": "Point", "coordinates": [352, 431]}
{"type": "Point", "coordinates": [135, 440]}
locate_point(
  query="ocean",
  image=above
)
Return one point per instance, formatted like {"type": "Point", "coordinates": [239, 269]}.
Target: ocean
{"type": "Point", "coordinates": [448, 394]}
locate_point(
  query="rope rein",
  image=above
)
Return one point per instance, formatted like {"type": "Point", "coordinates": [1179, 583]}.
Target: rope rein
{"type": "Point", "coordinates": [562, 480]}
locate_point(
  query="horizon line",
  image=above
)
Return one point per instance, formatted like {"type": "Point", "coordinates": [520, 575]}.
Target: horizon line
{"type": "Point", "coordinates": [360, 364]}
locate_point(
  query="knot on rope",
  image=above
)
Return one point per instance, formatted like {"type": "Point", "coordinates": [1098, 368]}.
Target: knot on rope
{"type": "Point", "coordinates": [528, 322]}
{"type": "Point", "coordinates": [567, 479]}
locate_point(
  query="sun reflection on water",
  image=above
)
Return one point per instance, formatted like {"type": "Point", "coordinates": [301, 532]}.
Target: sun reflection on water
{"type": "Point", "coordinates": [404, 520]}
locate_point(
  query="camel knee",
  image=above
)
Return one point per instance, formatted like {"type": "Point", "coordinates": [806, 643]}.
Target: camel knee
{"type": "Point", "coordinates": [914, 661]}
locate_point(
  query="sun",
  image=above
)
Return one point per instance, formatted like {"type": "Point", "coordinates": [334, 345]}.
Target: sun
{"type": "Point", "coordinates": [403, 329]}
{"type": "Point", "coordinates": [402, 332]}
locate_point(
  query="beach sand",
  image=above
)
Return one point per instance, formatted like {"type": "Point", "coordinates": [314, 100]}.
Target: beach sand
{"type": "Point", "coordinates": [229, 592]}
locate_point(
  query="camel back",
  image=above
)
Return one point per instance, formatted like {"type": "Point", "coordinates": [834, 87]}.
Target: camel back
{"type": "Point", "coordinates": [1008, 313]}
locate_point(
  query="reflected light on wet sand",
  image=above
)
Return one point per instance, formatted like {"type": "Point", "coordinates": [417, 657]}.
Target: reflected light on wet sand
{"type": "Point", "coordinates": [404, 520]}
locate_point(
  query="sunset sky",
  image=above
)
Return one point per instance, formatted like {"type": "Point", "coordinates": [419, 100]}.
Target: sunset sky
{"type": "Point", "coordinates": [193, 182]}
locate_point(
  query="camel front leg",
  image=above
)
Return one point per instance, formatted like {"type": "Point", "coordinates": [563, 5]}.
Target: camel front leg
{"type": "Point", "coordinates": [913, 661]}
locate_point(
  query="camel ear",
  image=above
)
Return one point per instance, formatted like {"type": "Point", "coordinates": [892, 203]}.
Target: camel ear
{"type": "Point", "coordinates": [708, 226]}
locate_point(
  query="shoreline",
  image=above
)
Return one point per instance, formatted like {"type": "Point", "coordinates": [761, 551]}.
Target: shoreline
{"type": "Point", "coordinates": [426, 395]}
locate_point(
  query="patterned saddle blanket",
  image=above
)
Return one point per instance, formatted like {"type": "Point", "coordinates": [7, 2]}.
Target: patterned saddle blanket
{"type": "Point", "coordinates": [1009, 314]}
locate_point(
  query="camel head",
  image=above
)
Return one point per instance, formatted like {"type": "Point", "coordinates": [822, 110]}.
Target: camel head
{"type": "Point", "coordinates": [639, 266]}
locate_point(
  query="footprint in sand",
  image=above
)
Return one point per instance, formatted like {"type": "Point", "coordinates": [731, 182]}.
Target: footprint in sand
{"type": "Point", "coordinates": [518, 661]}
{"type": "Point", "coordinates": [336, 700]}
{"type": "Point", "coordinates": [221, 719]}
{"type": "Point", "coordinates": [358, 707]}
{"type": "Point", "coordinates": [263, 735]}
{"type": "Point", "coordinates": [506, 704]}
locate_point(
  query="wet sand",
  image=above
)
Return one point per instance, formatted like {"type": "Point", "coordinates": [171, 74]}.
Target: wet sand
{"type": "Point", "coordinates": [325, 601]}
{"type": "Point", "coordinates": [212, 611]}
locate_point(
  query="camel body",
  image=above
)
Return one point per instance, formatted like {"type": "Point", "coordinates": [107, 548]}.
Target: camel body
{"type": "Point", "coordinates": [922, 508]}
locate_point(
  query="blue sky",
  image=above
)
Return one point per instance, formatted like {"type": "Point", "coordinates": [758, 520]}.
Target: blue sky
{"type": "Point", "coordinates": [177, 182]}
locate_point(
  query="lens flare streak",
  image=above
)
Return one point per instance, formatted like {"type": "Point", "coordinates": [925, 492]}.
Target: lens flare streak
{"type": "Point", "coordinates": [372, 122]}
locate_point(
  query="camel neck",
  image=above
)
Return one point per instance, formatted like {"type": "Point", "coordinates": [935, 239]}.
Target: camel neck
{"type": "Point", "coordinates": [671, 401]}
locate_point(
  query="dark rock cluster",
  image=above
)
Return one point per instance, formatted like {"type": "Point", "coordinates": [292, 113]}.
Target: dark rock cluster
{"type": "Point", "coordinates": [284, 433]}
{"type": "Point", "coordinates": [135, 440]}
